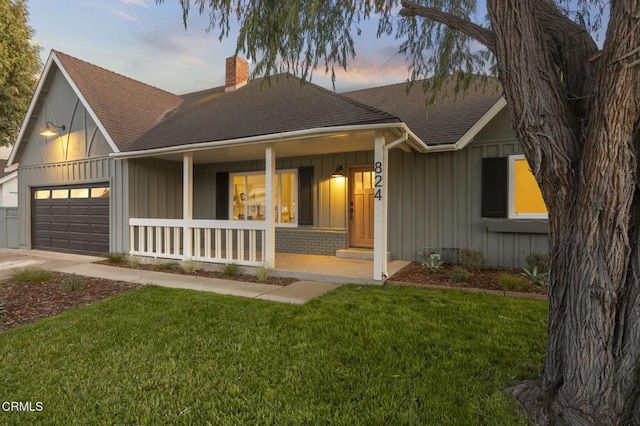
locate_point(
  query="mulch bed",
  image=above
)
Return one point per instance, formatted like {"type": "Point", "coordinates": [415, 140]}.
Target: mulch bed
{"type": "Point", "coordinates": [281, 281]}
{"type": "Point", "coordinates": [484, 279]}
{"type": "Point", "coordinates": [29, 302]}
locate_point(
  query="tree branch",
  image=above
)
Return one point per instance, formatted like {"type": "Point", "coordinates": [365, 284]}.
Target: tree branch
{"type": "Point", "coordinates": [472, 30]}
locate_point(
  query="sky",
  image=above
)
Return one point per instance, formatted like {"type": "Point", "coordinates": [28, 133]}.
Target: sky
{"type": "Point", "coordinates": [148, 42]}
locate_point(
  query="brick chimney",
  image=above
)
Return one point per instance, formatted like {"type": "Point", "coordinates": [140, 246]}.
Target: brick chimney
{"type": "Point", "coordinates": [237, 73]}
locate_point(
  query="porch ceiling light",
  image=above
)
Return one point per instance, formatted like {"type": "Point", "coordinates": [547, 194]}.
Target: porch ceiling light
{"type": "Point", "coordinates": [338, 173]}
{"type": "Point", "coordinates": [49, 129]}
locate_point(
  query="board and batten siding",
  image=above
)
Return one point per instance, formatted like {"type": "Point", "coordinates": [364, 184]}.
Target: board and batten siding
{"type": "Point", "coordinates": [79, 155]}
{"type": "Point", "coordinates": [155, 189]}
{"type": "Point", "coordinates": [329, 195]}
{"type": "Point", "coordinates": [435, 202]}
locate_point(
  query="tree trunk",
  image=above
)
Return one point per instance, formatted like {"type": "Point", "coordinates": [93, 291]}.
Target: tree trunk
{"type": "Point", "coordinates": [578, 126]}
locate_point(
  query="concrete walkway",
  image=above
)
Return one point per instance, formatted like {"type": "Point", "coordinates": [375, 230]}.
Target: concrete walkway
{"type": "Point", "coordinates": [296, 293]}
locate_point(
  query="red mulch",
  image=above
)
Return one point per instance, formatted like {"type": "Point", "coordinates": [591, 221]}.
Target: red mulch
{"type": "Point", "coordinates": [485, 279]}
{"type": "Point", "coordinates": [29, 302]}
{"type": "Point", "coordinates": [281, 281]}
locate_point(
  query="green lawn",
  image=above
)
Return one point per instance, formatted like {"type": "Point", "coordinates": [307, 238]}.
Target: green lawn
{"type": "Point", "coordinates": [360, 355]}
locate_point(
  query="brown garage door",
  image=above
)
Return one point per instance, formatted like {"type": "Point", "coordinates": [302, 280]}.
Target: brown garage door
{"type": "Point", "coordinates": [73, 219]}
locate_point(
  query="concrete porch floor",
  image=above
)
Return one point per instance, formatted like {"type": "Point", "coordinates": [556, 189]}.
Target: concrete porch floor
{"type": "Point", "coordinates": [329, 269]}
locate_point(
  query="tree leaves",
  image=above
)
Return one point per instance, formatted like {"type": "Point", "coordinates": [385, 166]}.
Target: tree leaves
{"type": "Point", "coordinates": [19, 66]}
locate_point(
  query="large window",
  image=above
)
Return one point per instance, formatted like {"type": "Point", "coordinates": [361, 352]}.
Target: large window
{"type": "Point", "coordinates": [248, 200]}
{"type": "Point", "coordinates": [525, 198]}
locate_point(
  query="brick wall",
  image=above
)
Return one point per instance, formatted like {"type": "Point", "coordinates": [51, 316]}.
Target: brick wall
{"type": "Point", "coordinates": [236, 73]}
{"type": "Point", "coordinates": [310, 241]}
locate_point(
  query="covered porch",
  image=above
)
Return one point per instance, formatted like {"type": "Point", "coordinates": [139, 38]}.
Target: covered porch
{"type": "Point", "coordinates": [250, 240]}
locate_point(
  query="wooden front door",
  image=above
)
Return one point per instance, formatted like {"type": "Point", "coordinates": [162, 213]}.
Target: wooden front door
{"type": "Point", "coordinates": [361, 183]}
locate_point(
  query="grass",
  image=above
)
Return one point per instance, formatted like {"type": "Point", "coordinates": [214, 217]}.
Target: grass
{"type": "Point", "coordinates": [73, 283]}
{"type": "Point", "coordinates": [459, 275]}
{"type": "Point", "coordinates": [167, 266]}
{"type": "Point", "coordinates": [134, 261]}
{"type": "Point", "coordinates": [115, 258]}
{"type": "Point", "coordinates": [189, 266]}
{"type": "Point", "coordinates": [360, 355]}
{"type": "Point", "coordinates": [263, 274]}
{"type": "Point", "coordinates": [230, 270]}
{"type": "Point", "coordinates": [511, 282]}
{"type": "Point", "coordinates": [30, 274]}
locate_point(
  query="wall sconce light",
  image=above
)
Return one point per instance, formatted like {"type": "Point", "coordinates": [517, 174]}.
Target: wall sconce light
{"type": "Point", "coordinates": [337, 173]}
{"type": "Point", "coordinates": [49, 129]}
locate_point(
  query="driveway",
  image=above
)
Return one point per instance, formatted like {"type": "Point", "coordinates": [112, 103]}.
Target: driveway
{"type": "Point", "coordinates": [15, 258]}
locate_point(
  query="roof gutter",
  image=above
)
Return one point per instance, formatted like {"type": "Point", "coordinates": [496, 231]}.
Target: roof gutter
{"type": "Point", "coordinates": [254, 140]}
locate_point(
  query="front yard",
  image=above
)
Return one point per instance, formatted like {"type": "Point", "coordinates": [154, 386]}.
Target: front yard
{"type": "Point", "coordinates": [360, 355]}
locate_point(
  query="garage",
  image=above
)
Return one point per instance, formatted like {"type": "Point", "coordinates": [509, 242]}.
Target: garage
{"type": "Point", "coordinates": [71, 219]}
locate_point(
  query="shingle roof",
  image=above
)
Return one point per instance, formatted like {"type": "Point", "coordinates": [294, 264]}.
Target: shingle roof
{"type": "Point", "coordinates": [444, 122]}
{"type": "Point", "coordinates": [284, 105]}
{"type": "Point", "coordinates": [126, 108]}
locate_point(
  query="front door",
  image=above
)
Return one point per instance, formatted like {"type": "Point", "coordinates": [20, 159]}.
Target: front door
{"type": "Point", "coordinates": [361, 183]}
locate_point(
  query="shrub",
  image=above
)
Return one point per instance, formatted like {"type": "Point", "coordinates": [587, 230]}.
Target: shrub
{"type": "Point", "coordinates": [189, 266]}
{"type": "Point", "coordinates": [535, 277]}
{"type": "Point", "coordinates": [134, 261]}
{"type": "Point", "coordinates": [459, 275]}
{"type": "Point", "coordinates": [433, 264]}
{"type": "Point", "coordinates": [230, 270]}
{"type": "Point", "coordinates": [263, 274]}
{"type": "Point", "coordinates": [73, 283]}
{"type": "Point", "coordinates": [472, 259]}
{"type": "Point", "coordinates": [115, 258]}
{"type": "Point", "coordinates": [511, 282]}
{"type": "Point", "coordinates": [538, 260]}
{"type": "Point", "coordinates": [31, 274]}
{"type": "Point", "coordinates": [167, 266]}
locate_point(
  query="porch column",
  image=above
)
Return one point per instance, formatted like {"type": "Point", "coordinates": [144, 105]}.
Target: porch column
{"type": "Point", "coordinates": [381, 156]}
{"type": "Point", "coordinates": [187, 203]}
{"type": "Point", "coordinates": [270, 216]}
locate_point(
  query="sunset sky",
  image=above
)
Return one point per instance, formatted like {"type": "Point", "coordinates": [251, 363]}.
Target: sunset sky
{"type": "Point", "coordinates": [148, 42]}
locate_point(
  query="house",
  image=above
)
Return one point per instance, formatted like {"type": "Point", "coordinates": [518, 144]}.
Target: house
{"type": "Point", "coordinates": [8, 185]}
{"type": "Point", "coordinates": [8, 202]}
{"type": "Point", "coordinates": [238, 173]}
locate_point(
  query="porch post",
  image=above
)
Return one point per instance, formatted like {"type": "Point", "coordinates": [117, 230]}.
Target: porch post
{"type": "Point", "coordinates": [381, 156]}
{"type": "Point", "coordinates": [187, 203]}
{"type": "Point", "coordinates": [270, 216]}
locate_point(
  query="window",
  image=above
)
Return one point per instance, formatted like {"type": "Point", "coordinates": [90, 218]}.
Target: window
{"type": "Point", "coordinates": [80, 193]}
{"type": "Point", "coordinates": [100, 192]}
{"type": "Point", "coordinates": [248, 197]}
{"type": "Point", "coordinates": [59, 193]}
{"type": "Point", "coordinates": [43, 194]}
{"type": "Point", "coordinates": [525, 197]}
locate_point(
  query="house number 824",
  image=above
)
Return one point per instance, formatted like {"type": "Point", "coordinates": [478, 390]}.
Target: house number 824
{"type": "Point", "coordinates": [378, 177]}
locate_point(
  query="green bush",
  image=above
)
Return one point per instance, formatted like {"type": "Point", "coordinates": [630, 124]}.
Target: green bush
{"type": "Point", "coordinates": [230, 270]}
{"type": "Point", "coordinates": [535, 277]}
{"type": "Point", "coordinates": [263, 274]}
{"type": "Point", "coordinates": [115, 258]}
{"type": "Point", "coordinates": [189, 266]}
{"type": "Point", "coordinates": [167, 266]}
{"type": "Point", "coordinates": [472, 259]}
{"type": "Point", "coordinates": [511, 282]}
{"type": "Point", "coordinates": [538, 260]}
{"type": "Point", "coordinates": [134, 261]}
{"type": "Point", "coordinates": [31, 274]}
{"type": "Point", "coordinates": [433, 264]}
{"type": "Point", "coordinates": [73, 283]}
{"type": "Point", "coordinates": [459, 275]}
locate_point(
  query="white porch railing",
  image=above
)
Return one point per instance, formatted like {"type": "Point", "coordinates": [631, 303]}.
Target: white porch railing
{"type": "Point", "coordinates": [219, 241]}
